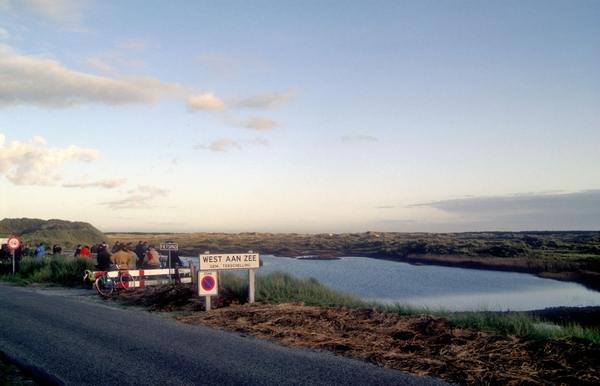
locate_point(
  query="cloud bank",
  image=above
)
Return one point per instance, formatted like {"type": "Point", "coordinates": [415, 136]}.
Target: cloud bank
{"type": "Point", "coordinates": [104, 183]}
{"type": "Point", "coordinates": [138, 198]}
{"type": "Point", "coordinates": [566, 211]}
{"type": "Point", "coordinates": [30, 163]}
{"type": "Point", "coordinates": [46, 83]}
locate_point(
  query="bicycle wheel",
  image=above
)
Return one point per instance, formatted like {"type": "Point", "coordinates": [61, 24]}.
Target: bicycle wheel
{"type": "Point", "coordinates": [105, 285]}
{"type": "Point", "coordinates": [127, 280]}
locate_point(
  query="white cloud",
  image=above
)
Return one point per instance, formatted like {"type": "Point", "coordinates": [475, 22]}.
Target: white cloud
{"type": "Point", "coordinates": [101, 65]}
{"type": "Point", "coordinates": [205, 102]}
{"type": "Point", "coordinates": [104, 183]}
{"type": "Point", "coordinates": [220, 145]}
{"type": "Point", "coordinates": [4, 34]}
{"type": "Point", "coordinates": [224, 144]}
{"type": "Point", "coordinates": [266, 100]}
{"type": "Point", "coordinates": [66, 14]}
{"type": "Point", "coordinates": [258, 123]}
{"type": "Point", "coordinates": [46, 83]}
{"type": "Point", "coordinates": [30, 163]}
{"type": "Point", "coordinates": [138, 198]}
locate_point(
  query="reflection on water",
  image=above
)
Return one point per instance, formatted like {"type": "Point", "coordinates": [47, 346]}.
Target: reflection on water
{"type": "Point", "coordinates": [432, 286]}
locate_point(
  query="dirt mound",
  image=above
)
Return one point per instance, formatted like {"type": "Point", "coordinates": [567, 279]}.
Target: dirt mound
{"type": "Point", "coordinates": [423, 344]}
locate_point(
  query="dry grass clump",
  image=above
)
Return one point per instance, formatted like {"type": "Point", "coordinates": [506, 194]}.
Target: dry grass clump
{"type": "Point", "coordinates": [421, 344]}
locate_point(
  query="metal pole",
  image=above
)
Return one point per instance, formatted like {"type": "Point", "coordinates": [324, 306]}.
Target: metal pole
{"type": "Point", "coordinates": [12, 252]}
{"type": "Point", "coordinates": [251, 285]}
{"type": "Point", "coordinates": [207, 303]}
{"type": "Point", "coordinates": [169, 266]}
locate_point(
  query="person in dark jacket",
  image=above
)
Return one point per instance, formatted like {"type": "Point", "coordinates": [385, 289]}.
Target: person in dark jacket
{"type": "Point", "coordinates": [140, 251]}
{"type": "Point", "coordinates": [175, 259]}
{"type": "Point", "coordinates": [103, 259]}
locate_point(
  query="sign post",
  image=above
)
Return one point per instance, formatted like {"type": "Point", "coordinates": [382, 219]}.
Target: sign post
{"type": "Point", "coordinates": [249, 261]}
{"type": "Point", "coordinates": [169, 247]}
{"type": "Point", "coordinates": [208, 285]}
{"type": "Point", "coordinates": [13, 244]}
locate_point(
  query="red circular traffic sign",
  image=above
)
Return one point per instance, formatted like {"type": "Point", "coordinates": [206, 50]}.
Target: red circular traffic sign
{"type": "Point", "coordinates": [13, 243]}
{"type": "Point", "coordinates": [207, 283]}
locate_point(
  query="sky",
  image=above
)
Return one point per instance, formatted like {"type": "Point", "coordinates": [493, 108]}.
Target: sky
{"type": "Point", "coordinates": [304, 116]}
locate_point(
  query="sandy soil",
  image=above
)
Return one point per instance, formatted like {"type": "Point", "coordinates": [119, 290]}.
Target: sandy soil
{"type": "Point", "coordinates": [421, 344]}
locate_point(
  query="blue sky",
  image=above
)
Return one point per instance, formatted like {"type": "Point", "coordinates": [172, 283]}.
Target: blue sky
{"type": "Point", "coordinates": [301, 116]}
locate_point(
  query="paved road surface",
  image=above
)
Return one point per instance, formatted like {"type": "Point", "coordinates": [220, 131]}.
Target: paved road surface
{"type": "Point", "coordinates": [75, 340]}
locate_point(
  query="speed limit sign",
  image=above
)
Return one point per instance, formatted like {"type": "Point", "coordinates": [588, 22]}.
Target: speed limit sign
{"type": "Point", "coordinates": [13, 243]}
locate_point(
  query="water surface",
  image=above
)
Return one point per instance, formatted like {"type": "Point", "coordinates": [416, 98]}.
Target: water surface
{"type": "Point", "coordinates": [435, 286]}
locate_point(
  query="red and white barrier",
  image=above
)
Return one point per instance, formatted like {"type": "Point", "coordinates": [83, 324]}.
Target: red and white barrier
{"type": "Point", "coordinates": [145, 277]}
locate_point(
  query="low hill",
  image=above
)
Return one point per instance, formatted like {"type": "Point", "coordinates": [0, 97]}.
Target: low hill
{"type": "Point", "coordinates": [67, 234]}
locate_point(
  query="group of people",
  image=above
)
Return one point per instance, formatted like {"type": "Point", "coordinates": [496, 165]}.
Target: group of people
{"type": "Point", "coordinates": [39, 251]}
{"type": "Point", "coordinates": [125, 256]}
{"type": "Point", "coordinates": [27, 251]}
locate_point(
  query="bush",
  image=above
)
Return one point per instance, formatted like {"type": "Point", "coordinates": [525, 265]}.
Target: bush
{"type": "Point", "coordinates": [61, 269]}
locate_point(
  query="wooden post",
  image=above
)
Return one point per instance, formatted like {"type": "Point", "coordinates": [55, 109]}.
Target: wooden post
{"type": "Point", "coordinates": [177, 277]}
{"type": "Point", "coordinates": [192, 271]}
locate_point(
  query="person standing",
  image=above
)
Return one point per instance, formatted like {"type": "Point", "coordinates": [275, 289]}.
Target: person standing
{"type": "Point", "coordinates": [121, 258]}
{"type": "Point", "coordinates": [40, 251]}
{"type": "Point", "coordinates": [152, 259]}
{"type": "Point", "coordinates": [134, 258]}
{"type": "Point", "coordinates": [175, 260]}
{"type": "Point", "coordinates": [140, 251]}
{"type": "Point", "coordinates": [27, 252]}
{"type": "Point", "coordinates": [103, 259]}
{"type": "Point", "coordinates": [85, 252]}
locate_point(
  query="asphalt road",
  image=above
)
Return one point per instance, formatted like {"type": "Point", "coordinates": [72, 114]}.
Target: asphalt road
{"type": "Point", "coordinates": [69, 339]}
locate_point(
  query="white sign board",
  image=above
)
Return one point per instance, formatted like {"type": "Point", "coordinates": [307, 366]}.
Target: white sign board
{"type": "Point", "coordinates": [169, 247]}
{"type": "Point", "coordinates": [229, 261]}
{"type": "Point", "coordinates": [207, 283]}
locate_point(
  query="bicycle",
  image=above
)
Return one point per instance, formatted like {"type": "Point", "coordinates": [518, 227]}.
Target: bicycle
{"type": "Point", "coordinates": [109, 281]}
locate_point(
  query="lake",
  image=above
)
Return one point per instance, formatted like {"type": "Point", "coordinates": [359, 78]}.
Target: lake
{"type": "Point", "coordinates": [432, 286]}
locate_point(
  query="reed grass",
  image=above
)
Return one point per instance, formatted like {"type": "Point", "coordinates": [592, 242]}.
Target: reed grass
{"type": "Point", "coordinates": [283, 287]}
